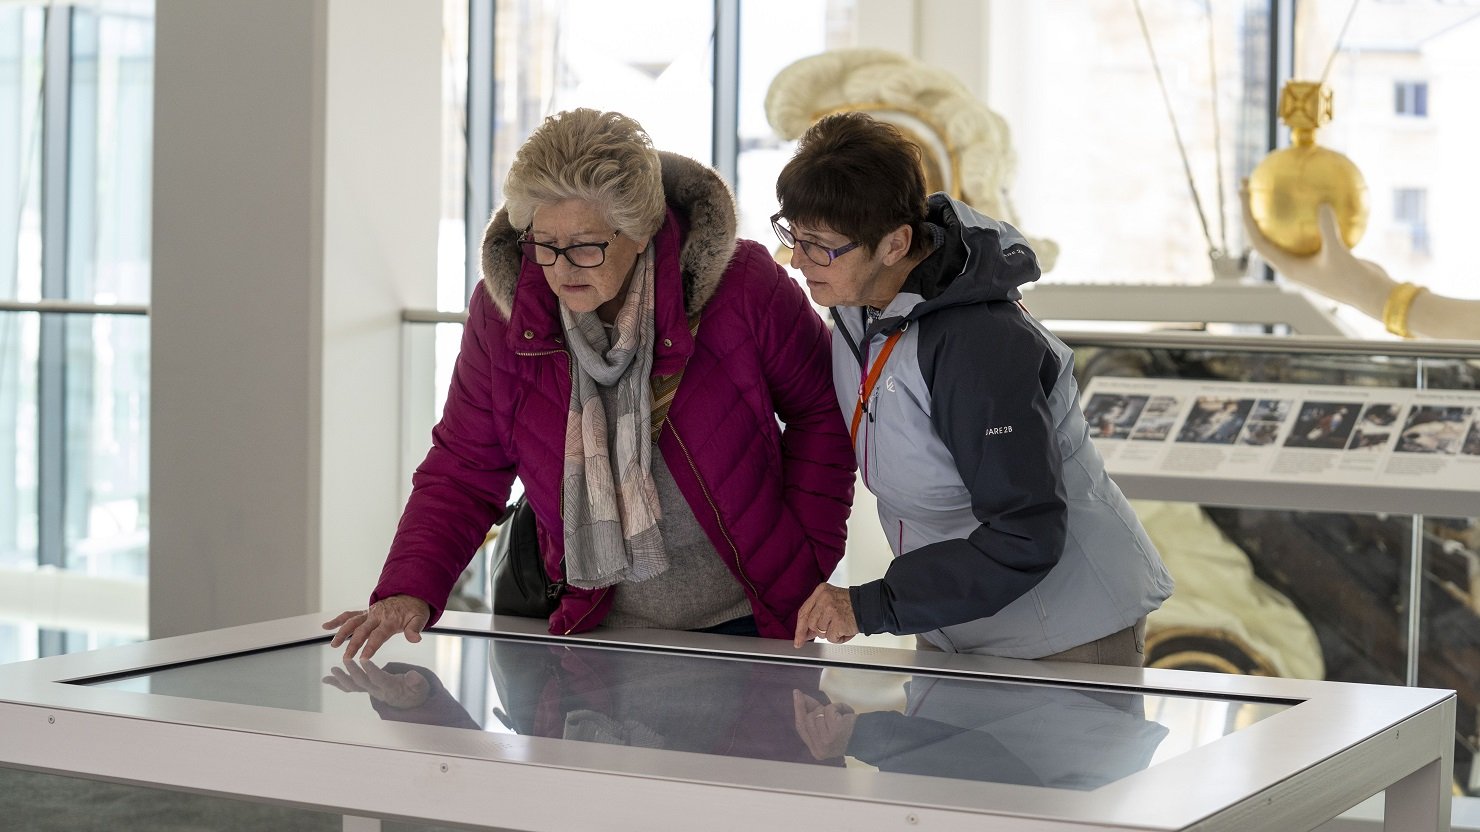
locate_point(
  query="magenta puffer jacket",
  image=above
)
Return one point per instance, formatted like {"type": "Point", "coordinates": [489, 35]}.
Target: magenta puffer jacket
{"type": "Point", "coordinates": [773, 497]}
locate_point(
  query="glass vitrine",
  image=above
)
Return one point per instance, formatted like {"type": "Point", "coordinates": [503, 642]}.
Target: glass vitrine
{"type": "Point", "coordinates": [1317, 500]}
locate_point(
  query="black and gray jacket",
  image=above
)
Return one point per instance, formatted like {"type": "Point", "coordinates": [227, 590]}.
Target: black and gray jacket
{"type": "Point", "coordinates": [1009, 537]}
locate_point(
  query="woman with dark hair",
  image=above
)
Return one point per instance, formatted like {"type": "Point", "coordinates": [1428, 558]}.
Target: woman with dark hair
{"type": "Point", "coordinates": [1009, 537]}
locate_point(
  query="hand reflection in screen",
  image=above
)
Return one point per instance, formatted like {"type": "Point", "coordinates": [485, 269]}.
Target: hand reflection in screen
{"type": "Point", "coordinates": [1040, 735]}
{"type": "Point", "coordinates": [825, 729]}
{"type": "Point", "coordinates": [406, 689]}
{"type": "Point", "coordinates": [675, 702]}
{"type": "Point", "coordinates": [679, 703]}
{"type": "Point", "coordinates": [400, 691]}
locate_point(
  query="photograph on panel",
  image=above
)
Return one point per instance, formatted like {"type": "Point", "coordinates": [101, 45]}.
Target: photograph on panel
{"type": "Point", "coordinates": [1215, 420]}
{"type": "Point", "coordinates": [1111, 415]}
{"type": "Point", "coordinates": [1157, 419]}
{"type": "Point", "coordinates": [1434, 430]}
{"type": "Point", "coordinates": [1375, 427]}
{"type": "Point", "coordinates": [1323, 425]}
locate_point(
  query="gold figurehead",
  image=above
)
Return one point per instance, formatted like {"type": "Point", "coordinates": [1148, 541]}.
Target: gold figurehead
{"type": "Point", "coordinates": [1287, 187]}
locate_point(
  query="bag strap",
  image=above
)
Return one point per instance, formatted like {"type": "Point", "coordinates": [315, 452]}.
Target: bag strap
{"type": "Point", "coordinates": [664, 388]}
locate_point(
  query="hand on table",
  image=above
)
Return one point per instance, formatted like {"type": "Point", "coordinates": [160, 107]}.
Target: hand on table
{"type": "Point", "coordinates": [368, 629]}
{"type": "Point", "coordinates": [827, 613]}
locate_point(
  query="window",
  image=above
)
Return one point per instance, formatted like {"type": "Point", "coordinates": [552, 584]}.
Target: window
{"type": "Point", "coordinates": [1408, 205]}
{"type": "Point", "coordinates": [544, 56]}
{"type": "Point", "coordinates": [76, 88]}
{"type": "Point", "coordinates": [1099, 169]}
{"type": "Point", "coordinates": [1410, 211]}
{"type": "Point", "coordinates": [1411, 98]}
{"type": "Point", "coordinates": [1423, 238]}
{"type": "Point", "coordinates": [649, 59]}
{"type": "Point", "coordinates": [813, 26]}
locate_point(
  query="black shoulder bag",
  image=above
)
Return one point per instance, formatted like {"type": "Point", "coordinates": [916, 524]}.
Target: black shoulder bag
{"type": "Point", "coordinates": [520, 584]}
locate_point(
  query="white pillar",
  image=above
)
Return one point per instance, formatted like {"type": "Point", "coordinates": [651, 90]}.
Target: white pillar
{"type": "Point", "coordinates": [887, 24]}
{"type": "Point", "coordinates": [296, 174]}
{"type": "Point", "coordinates": [948, 34]}
{"type": "Point", "coordinates": [952, 35]}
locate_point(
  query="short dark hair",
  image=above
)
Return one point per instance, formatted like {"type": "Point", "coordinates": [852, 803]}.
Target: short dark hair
{"type": "Point", "coordinates": [859, 177]}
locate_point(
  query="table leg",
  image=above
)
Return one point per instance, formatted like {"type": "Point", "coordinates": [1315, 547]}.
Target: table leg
{"type": "Point", "coordinates": [1420, 801]}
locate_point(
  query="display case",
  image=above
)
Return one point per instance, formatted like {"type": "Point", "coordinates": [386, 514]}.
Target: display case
{"type": "Point", "coordinates": [490, 722]}
{"type": "Point", "coordinates": [1316, 499]}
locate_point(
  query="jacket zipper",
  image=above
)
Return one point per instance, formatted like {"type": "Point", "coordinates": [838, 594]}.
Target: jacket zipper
{"type": "Point", "coordinates": [597, 603]}
{"type": "Point", "coordinates": [869, 409]}
{"type": "Point", "coordinates": [570, 369]}
{"type": "Point", "coordinates": [739, 569]}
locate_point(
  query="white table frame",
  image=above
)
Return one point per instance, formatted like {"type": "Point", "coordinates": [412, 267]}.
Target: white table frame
{"type": "Point", "coordinates": [1294, 770]}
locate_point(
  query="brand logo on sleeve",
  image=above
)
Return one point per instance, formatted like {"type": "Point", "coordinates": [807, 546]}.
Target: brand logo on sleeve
{"type": "Point", "coordinates": [998, 431]}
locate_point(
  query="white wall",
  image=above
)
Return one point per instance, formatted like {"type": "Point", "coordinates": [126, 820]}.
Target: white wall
{"type": "Point", "coordinates": [295, 206]}
{"type": "Point", "coordinates": [382, 179]}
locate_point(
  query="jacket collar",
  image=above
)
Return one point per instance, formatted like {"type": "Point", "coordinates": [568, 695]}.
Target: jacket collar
{"type": "Point", "coordinates": [977, 260]}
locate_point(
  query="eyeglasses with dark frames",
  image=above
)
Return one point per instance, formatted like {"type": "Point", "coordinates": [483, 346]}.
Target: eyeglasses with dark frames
{"type": "Point", "coordinates": [580, 255]}
{"type": "Point", "coordinates": [818, 254]}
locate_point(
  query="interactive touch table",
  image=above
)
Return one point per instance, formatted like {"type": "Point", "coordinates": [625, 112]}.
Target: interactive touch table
{"type": "Point", "coordinates": [491, 722]}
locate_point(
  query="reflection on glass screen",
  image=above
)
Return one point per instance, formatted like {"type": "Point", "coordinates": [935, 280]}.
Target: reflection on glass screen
{"type": "Point", "coordinates": [1053, 736]}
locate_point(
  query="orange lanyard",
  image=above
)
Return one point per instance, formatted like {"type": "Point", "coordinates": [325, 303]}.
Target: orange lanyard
{"type": "Point", "coordinates": [866, 388]}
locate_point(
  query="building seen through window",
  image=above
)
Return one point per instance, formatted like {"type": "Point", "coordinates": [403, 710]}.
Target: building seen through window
{"type": "Point", "coordinates": [1403, 80]}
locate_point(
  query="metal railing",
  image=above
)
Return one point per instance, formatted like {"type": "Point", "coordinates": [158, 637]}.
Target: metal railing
{"type": "Point", "coordinates": [1290, 344]}
{"type": "Point", "coordinates": [73, 307]}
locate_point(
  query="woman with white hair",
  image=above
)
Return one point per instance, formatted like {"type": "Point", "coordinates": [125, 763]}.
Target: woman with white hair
{"type": "Point", "coordinates": [612, 272]}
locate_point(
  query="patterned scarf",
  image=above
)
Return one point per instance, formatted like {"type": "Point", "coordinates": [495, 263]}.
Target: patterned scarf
{"type": "Point", "coordinates": [611, 502]}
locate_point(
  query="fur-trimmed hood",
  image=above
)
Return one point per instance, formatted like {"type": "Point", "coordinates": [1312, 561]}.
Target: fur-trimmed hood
{"type": "Point", "coordinates": [698, 200]}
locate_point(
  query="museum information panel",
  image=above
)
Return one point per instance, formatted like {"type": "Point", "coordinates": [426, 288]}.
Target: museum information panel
{"type": "Point", "coordinates": [1310, 434]}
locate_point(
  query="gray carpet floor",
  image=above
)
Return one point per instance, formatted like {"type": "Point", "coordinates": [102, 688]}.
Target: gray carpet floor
{"type": "Point", "coordinates": [33, 802]}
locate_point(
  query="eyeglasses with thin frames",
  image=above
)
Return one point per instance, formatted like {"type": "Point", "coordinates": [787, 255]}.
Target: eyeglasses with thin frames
{"type": "Point", "coordinates": [818, 254]}
{"type": "Point", "coordinates": [580, 255]}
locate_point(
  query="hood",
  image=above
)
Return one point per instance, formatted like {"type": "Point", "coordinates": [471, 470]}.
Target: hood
{"type": "Point", "coordinates": [979, 259]}
{"type": "Point", "coordinates": [699, 204]}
